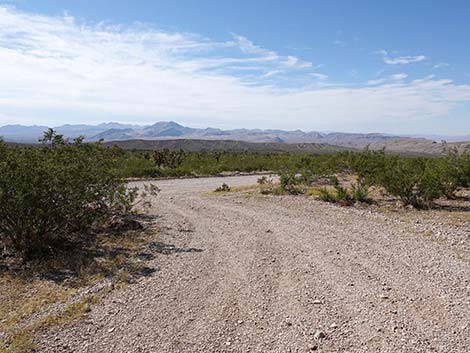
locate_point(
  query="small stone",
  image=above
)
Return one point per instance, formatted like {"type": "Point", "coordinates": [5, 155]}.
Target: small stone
{"type": "Point", "coordinates": [228, 343]}
{"type": "Point", "coordinates": [111, 330]}
{"type": "Point", "coordinates": [333, 325]}
{"type": "Point", "coordinates": [383, 296]}
{"type": "Point", "coordinates": [317, 302]}
{"type": "Point", "coordinates": [240, 322]}
{"type": "Point", "coordinates": [312, 347]}
{"type": "Point", "coordinates": [319, 335]}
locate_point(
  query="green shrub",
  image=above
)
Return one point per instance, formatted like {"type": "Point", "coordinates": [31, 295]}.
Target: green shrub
{"type": "Point", "coordinates": [57, 192]}
{"type": "Point", "coordinates": [292, 183]}
{"type": "Point", "coordinates": [360, 192]}
{"type": "Point", "coordinates": [325, 195]}
{"type": "Point", "coordinates": [456, 168]}
{"type": "Point", "coordinates": [416, 181]}
{"type": "Point", "coordinates": [341, 194]}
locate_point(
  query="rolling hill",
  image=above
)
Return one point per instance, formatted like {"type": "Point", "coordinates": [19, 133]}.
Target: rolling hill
{"type": "Point", "coordinates": [192, 145]}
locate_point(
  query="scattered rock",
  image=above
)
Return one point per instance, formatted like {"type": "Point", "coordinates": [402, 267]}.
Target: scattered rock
{"type": "Point", "coordinates": [319, 335]}
{"type": "Point", "coordinates": [87, 308]}
{"type": "Point", "coordinates": [312, 347]}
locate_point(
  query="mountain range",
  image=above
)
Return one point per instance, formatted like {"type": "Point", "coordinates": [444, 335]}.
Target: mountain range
{"type": "Point", "coordinates": [169, 130]}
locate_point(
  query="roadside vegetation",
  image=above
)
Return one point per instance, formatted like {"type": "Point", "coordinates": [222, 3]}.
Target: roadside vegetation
{"type": "Point", "coordinates": [415, 181]}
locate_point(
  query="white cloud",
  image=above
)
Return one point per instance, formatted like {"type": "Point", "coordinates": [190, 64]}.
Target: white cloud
{"type": "Point", "coordinates": [272, 73]}
{"type": "Point", "coordinates": [57, 69]}
{"type": "Point", "coordinates": [398, 77]}
{"type": "Point", "coordinates": [403, 60]}
{"type": "Point", "coordinates": [440, 65]}
{"type": "Point", "coordinates": [376, 82]}
{"type": "Point", "coordinates": [382, 52]}
{"type": "Point", "coordinates": [320, 77]}
{"type": "Point", "coordinates": [339, 43]}
{"type": "Point", "coordinates": [391, 78]}
{"type": "Point", "coordinates": [399, 60]}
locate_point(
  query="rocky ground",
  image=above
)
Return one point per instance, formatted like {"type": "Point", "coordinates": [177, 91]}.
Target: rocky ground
{"type": "Point", "coordinates": [243, 272]}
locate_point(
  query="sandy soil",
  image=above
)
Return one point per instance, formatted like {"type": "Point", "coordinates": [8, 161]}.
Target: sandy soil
{"type": "Point", "coordinates": [242, 272]}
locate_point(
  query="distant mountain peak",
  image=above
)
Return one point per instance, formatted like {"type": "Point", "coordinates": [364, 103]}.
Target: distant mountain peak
{"type": "Point", "coordinates": [166, 124]}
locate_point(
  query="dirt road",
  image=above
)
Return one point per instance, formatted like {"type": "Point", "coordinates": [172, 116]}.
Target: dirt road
{"type": "Point", "coordinates": [250, 273]}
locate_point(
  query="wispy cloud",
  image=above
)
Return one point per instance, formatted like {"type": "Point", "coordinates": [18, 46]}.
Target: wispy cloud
{"type": "Point", "coordinates": [399, 60]}
{"type": "Point", "coordinates": [403, 60]}
{"type": "Point", "coordinates": [399, 77]}
{"type": "Point", "coordinates": [392, 78]}
{"type": "Point", "coordinates": [318, 76]}
{"type": "Point", "coordinates": [55, 68]}
{"type": "Point", "coordinates": [340, 43]}
{"type": "Point", "coordinates": [440, 65]}
{"type": "Point", "coordinates": [376, 81]}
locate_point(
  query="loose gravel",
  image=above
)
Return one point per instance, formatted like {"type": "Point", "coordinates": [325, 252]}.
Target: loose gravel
{"type": "Point", "coordinates": [242, 272]}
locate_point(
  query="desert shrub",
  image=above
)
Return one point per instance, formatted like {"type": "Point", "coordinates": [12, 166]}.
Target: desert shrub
{"type": "Point", "coordinates": [341, 194]}
{"type": "Point", "coordinates": [360, 191]}
{"type": "Point", "coordinates": [325, 195]}
{"type": "Point", "coordinates": [169, 159]}
{"type": "Point", "coordinates": [135, 166]}
{"type": "Point", "coordinates": [223, 188]}
{"type": "Point", "coordinates": [56, 192]}
{"type": "Point", "coordinates": [292, 183]}
{"type": "Point", "coordinates": [456, 168]}
{"type": "Point", "coordinates": [416, 181]}
{"type": "Point", "coordinates": [338, 193]}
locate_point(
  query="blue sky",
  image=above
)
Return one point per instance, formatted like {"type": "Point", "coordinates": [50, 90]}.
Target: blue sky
{"type": "Point", "coordinates": [362, 66]}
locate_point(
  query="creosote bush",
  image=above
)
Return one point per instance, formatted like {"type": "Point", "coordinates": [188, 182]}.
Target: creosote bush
{"type": "Point", "coordinates": [59, 191]}
{"type": "Point", "coordinates": [293, 183]}
{"type": "Point", "coordinates": [416, 181]}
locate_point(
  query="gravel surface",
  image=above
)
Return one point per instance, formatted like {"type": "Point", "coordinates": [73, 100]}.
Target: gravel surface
{"type": "Point", "coordinates": [238, 272]}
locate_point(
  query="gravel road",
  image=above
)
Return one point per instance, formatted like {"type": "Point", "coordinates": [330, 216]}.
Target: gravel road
{"type": "Point", "coordinates": [252, 273]}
